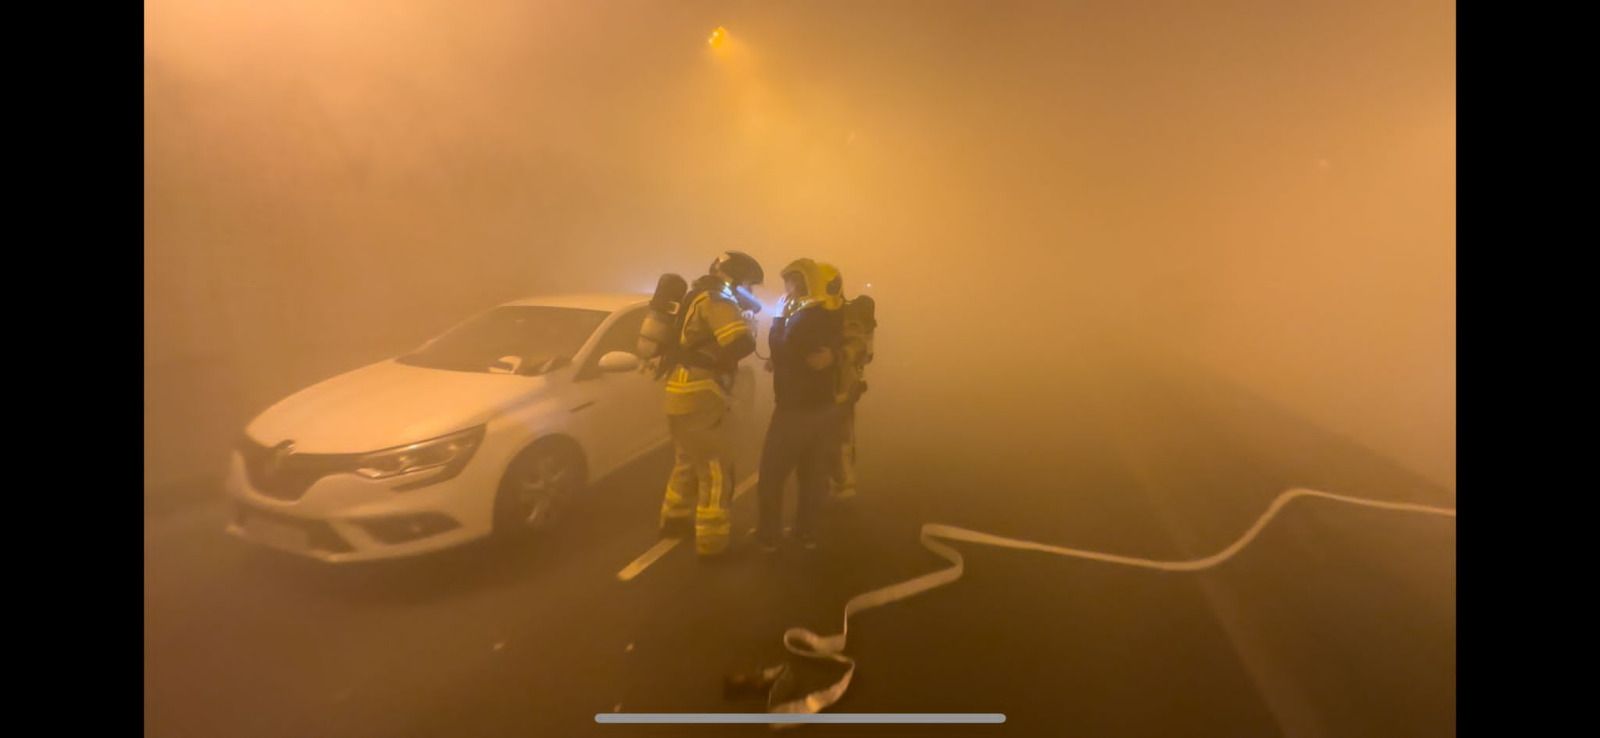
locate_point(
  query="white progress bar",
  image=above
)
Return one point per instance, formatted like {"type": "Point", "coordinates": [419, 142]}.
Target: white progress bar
{"type": "Point", "coordinates": [844, 718]}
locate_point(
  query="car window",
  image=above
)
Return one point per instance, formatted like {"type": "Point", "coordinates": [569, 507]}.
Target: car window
{"type": "Point", "coordinates": [621, 336]}
{"type": "Point", "coordinates": [540, 337]}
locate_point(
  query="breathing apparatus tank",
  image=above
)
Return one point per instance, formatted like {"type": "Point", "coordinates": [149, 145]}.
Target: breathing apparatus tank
{"type": "Point", "coordinates": [860, 321]}
{"type": "Point", "coordinates": [861, 318]}
{"type": "Point", "coordinates": [658, 335]}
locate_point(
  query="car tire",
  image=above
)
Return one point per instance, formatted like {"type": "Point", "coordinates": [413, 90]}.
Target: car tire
{"type": "Point", "coordinates": [538, 486]}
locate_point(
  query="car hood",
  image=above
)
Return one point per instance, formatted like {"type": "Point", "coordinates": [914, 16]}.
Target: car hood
{"type": "Point", "coordinates": [390, 404]}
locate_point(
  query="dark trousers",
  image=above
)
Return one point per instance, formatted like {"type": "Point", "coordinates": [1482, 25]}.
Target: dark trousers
{"type": "Point", "coordinates": [799, 441]}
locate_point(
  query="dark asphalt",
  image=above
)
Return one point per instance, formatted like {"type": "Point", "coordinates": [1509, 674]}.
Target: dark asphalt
{"type": "Point", "coordinates": [1337, 621]}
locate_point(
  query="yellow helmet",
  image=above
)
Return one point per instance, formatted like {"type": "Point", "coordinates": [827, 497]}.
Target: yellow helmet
{"type": "Point", "coordinates": [832, 285]}
{"type": "Point", "coordinates": [823, 285]}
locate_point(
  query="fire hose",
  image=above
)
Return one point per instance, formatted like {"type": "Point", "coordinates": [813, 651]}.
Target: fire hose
{"type": "Point", "coordinates": [806, 644]}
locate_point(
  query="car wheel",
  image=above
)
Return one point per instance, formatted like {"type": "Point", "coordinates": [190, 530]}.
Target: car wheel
{"type": "Point", "coordinates": [538, 486]}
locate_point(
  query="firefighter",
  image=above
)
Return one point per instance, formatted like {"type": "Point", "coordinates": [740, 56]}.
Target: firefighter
{"type": "Point", "coordinates": [714, 336]}
{"type": "Point", "coordinates": [858, 322]}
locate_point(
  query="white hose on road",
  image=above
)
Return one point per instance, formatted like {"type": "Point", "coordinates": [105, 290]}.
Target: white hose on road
{"type": "Point", "coordinates": [806, 644]}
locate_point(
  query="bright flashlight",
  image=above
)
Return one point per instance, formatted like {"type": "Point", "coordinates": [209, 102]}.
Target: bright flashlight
{"type": "Point", "coordinates": [718, 38]}
{"type": "Point", "coordinates": [747, 301]}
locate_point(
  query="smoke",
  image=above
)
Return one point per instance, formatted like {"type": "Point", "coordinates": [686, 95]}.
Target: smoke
{"type": "Point", "coordinates": [1264, 192]}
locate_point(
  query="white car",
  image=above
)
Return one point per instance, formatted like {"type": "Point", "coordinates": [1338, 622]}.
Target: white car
{"type": "Point", "coordinates": [487, 429]}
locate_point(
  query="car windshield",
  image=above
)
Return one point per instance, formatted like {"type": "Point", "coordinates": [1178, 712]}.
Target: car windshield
{"type": "Point", "coordinates": [527, 339]}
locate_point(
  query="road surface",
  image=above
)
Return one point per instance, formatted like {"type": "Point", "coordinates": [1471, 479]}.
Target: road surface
{"type": "Point", "coordinates": [1336, 621]}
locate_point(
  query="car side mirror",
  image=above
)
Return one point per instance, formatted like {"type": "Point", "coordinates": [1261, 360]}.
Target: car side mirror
{"type": "Point", "coordinates": [618, 361]}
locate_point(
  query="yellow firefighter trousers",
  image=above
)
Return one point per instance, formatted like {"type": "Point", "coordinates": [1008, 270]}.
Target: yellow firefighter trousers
{"type": "Point", "coordinates": [701, 471]}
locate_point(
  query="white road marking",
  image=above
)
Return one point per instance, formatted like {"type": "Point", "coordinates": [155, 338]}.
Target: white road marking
{"type": "Point", "coordinates": [647, 558]}
{"type": "Point", "coordinates": [665, 545]}
{"type": "Point", "coordinates": [744, 486]}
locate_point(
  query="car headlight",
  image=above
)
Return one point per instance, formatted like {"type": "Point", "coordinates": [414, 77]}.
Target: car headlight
{"type": "Point", "coordinates": [450, 453]}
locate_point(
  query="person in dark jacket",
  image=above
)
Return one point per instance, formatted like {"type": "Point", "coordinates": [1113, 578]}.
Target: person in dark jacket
{"type": "Point", "coordinates": [805, 341]}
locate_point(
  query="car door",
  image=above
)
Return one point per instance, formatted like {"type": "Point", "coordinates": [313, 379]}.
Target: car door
{"type": "Point", "coordinates": [621, 411]}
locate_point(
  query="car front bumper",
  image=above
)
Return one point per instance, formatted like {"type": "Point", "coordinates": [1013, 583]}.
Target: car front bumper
{"type": "Point", "coordinates": [343, 518]}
